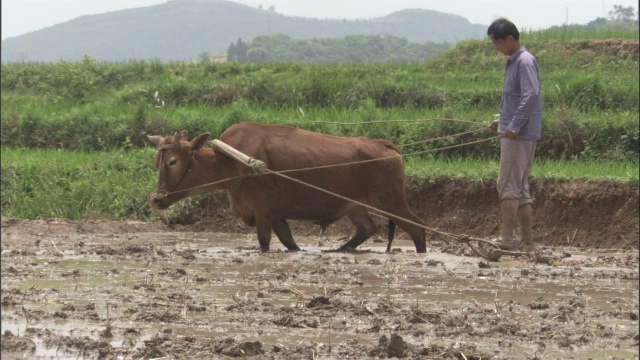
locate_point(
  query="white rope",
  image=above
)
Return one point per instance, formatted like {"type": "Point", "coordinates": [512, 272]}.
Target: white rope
{"type": "Point", "coordinates": [336, 165]}
{"type": "Point", "coordinates": [440, 138]}
{"type": "Point", "coordinates": [390, 157]}
{"type": "Point", "coordinates": [462, 238]}
{"type": "Point", "coordinates": [387, 214]}
{"type": "Point", "coordinates": [208, 184]}
{"type": "Point", "coordinates": [365, 122]}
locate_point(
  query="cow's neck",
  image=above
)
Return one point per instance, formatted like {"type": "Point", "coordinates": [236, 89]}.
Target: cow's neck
{"type": "Point", "coordinates": [216, 167]}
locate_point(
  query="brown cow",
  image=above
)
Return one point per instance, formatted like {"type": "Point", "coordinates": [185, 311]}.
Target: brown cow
{"type": "Point", "coordinates": [266, 201]}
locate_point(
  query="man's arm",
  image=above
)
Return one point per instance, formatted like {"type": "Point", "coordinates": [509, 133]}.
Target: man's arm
{"type": "Point", "coordinates": [530, 96]}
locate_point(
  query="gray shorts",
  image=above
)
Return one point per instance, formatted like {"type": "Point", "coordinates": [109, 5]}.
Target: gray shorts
{"type": "Point", "coordinates": [516, 159]}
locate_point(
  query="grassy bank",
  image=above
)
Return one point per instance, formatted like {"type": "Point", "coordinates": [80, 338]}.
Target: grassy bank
{"type": "Point", "coordinates": [38, 183]}
{"type": "Point", "coordinates": [610, 135]}
{"type": "Point", "coordinates": [73, 133]}
{"type": "Point", "coordinates": [77, 185]}
{"type": "Point", "coordinates": [591, 106]}
{"type": "Point", "coordinates": [435, 170]}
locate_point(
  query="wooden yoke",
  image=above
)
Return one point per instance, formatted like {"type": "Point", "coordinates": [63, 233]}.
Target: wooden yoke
{"type": "Point", "coordinates": [258, 166]}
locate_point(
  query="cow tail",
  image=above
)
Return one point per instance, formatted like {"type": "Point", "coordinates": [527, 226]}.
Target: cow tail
{"type": "Point", "coordinates": [391, 234]}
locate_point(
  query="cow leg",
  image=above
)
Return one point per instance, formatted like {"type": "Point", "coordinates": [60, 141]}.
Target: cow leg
{"type": "Point", "coordinates": [283, 232]}
{"type": "Point", "coordinates": [263, 226]}
{"type": "Point", "coordinates": [365, 227]}
{"type": "Point", "coordinates": [399, 207]}
{"type": "Point", "coordinates": [391, 234]}
{"type": "Point", "coordinates": [417, 233]}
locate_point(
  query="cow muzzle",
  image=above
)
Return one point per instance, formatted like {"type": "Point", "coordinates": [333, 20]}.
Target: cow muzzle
{"type": "Point", "coordinates": [159, 200]}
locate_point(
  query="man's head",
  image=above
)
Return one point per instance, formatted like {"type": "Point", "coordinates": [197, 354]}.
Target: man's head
{"type": "Point", "coordinates": [504, 35]}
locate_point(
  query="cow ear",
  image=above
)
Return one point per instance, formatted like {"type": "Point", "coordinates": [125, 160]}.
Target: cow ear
{"type": "Point", "coordinates": [199, 141]}
{"type": "Point", "coordinates": [185, 135]}
{"type": "Point", "coordinates": [155, 139]}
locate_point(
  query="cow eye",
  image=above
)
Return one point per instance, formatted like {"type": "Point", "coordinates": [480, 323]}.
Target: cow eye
{"type": "Point", "coordinates": [172, 162]}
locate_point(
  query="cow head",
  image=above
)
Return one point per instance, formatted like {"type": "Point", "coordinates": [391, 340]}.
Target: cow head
{"type": "Point", "coordinates": [178, 168]}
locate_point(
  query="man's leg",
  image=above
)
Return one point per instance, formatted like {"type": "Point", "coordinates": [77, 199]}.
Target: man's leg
{"type": "Point", "coordinates": [525, 213]}
{"type": "Point", "coordinates": [525, 218]}
{"type": "Point", "coordinates": [508, 192]}
{"type": "Point", "coordinates": [508, 213]}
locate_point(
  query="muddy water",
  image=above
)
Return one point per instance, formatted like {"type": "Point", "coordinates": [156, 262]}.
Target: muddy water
{"type": "Point", "coordinates": [209, 295]}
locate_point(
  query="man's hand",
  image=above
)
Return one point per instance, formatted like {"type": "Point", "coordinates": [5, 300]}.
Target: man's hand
{"type": "Point", "coordinates": [493, 125]}
{"type": "Point", "coordinates": [510, 134]}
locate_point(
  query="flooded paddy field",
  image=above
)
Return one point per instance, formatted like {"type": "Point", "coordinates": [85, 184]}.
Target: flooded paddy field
{"type": "Point", "coordinates": [149, 294]}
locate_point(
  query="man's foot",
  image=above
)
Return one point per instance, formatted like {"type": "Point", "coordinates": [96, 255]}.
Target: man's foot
{"type": "Point", "coordinates": [507, 245]}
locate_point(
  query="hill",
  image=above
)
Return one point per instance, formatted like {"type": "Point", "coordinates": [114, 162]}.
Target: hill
{"type": "Point", "coordinates": [185, 29]}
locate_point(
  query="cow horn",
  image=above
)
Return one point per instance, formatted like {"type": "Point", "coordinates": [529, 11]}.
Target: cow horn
{"type": "Point", "coordinates": [155, 139]}
{"type": "Point", "coordinates": [177, 137]}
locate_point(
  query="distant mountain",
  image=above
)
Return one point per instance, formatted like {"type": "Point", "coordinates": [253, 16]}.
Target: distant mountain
{"type": "Point", "coordinates": [185, 29]}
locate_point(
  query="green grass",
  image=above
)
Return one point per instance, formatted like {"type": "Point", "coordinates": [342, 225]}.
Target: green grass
{"type": "Point", "coordinates": [77, 185]}
{"type": "Point", "coordinates": [586, 170]}
{"type": "Point", "coordinates": [94, 106]}
{"type": "Point", "coordinates": [569, 133]}
{"type": "Point", "coordinates": [103, 110]}
{"type": "Point", "coordinates": [470, 74]}
{"type": "Point", "coordinates": [469, 168]}
{"type": "Point", "coordinates": [115, 184]}
{"type": "Point", "coordinates": [575, 32]}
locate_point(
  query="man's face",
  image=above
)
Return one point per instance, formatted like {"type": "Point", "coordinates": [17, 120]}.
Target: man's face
{"type": "Point", "coordinates": [505, 46]}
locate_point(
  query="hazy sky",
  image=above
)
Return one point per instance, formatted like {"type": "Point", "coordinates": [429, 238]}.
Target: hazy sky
{"type": "Point", "coordinates": [23, 16]}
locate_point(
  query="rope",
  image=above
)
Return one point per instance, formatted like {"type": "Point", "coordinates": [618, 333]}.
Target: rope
{"type": "Point", "coordinates": [462, 238]}
{"type": "Point", "coordinates": [389, 157]}
{"type": "Point", "coordinates": [336, 165]}
{"type": "Point", "coordinates": [208, 184]}
{"type": "Point", "coordinates": [388, 121]}
{"type": "Point", "coordinates": [493, 255]}
{"type": "Point", "coordinates": [387, 214]}
{"type": "Point", "coordinates": [440, 138]}
{"type": "Point", "coordinates": [453, 146]}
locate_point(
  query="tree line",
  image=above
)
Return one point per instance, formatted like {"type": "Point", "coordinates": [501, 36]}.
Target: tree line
{"type": "Point", "coordinates": [363, 49]}
{"type": "Point", "coordinates": [359, 49]}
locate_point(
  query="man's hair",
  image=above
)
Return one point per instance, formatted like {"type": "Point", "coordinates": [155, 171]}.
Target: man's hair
{"type": "Point", "coordinates": [501, 28]}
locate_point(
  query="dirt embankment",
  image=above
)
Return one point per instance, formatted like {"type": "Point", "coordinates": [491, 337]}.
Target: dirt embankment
{"type": "Point", "coordinates": [567, 213]}
{"type": "Point", "coordinates": [578, 213]}
{"type": "Point", "coordinates": [571, 213]}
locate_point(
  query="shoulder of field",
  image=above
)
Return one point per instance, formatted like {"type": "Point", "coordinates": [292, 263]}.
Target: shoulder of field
{"type": "Point", "coordinates": [440, 170]}
{"type": "Point", "coordinates": [551, 53]}
{"type": "Point", "coordinates": [566, 213]}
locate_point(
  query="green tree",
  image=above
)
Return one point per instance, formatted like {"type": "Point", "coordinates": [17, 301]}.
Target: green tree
{"type": "Point", "coordinates": [351, 49]}
{"type": "Point", "coordinates": [205, 56]}
{"type": "Point", "coordinates": [237, 51]}
{"type": "Point", "coordinates": [241, 50]}
{"type": "Point", "coordinates": [231, 53]}
{"type": "Point", "coordinates": [257, 55]}
{"type": "Point", "coordinates": [623, 14]}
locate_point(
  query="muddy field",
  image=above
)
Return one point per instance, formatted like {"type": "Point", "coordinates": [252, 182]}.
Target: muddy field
{"type": "Point", "coordinates": [132, 290]}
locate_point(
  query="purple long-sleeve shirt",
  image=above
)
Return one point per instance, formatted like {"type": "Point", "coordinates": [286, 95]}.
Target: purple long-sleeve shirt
{"type": "Point", "coordinates": [521, 110]}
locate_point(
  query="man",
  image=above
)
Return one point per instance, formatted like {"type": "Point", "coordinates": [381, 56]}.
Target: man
{"type": "Point", "coordinates": [519, 127]}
